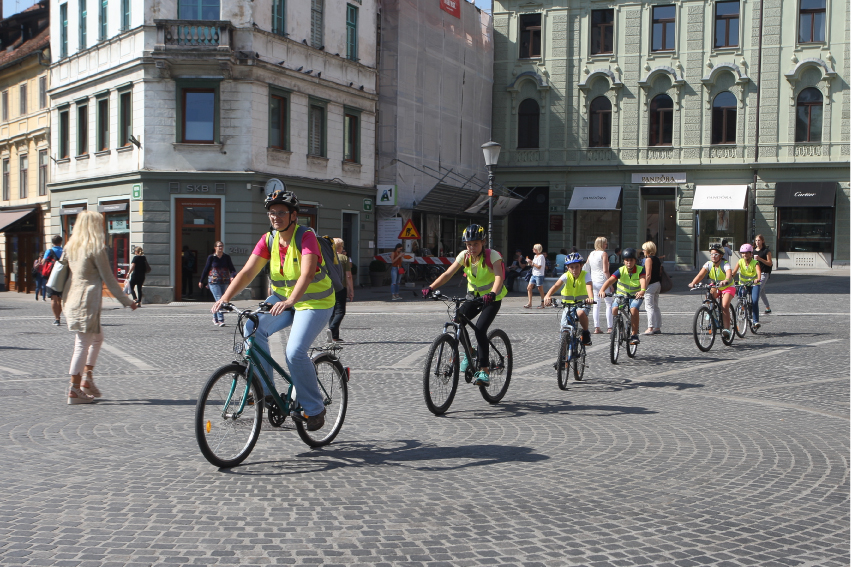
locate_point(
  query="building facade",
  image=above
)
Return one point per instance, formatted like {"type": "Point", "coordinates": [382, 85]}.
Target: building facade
{"type": "Point", "coordinates": [685, 123]}
{"type": "Point", "coordinates": [25, 215]}
{"type": "Point", "coordinates": [170, 117]}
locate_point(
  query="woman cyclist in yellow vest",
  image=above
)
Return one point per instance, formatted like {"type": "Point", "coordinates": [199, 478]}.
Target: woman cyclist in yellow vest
{"type": "Point", "coordinates": [719, 272]}
{"type": "Point", "coordinates": [631, 282]}
{"type": "Point", "coordinates": [750, 274]}
{"type": "Point", "coordinates": [303, 297]}
{"type": "Point", "coordinates": [576, 286]}
{"type": "Point", "coordinates": [484, 280]}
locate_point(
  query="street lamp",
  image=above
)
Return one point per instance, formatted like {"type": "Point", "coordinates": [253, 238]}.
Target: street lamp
{"type": "Point", "coordinates": [491, 151]}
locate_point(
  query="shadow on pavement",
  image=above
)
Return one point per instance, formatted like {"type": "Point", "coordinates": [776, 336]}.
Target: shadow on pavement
{"type": "Point", "coordinates": [518, 409]}
{"type": "Point", "coordinates": [150, 402]}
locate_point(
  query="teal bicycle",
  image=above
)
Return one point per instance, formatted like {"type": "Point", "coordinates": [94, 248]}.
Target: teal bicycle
{"type": "Point", "coordinates": [229, 412]}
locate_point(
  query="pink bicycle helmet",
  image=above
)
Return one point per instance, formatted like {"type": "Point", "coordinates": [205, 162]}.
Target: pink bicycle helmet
{"type": "Point", "coordinates": [746, 248]}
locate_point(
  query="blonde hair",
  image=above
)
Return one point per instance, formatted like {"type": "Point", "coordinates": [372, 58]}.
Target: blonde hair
{"type": "Point", "coordinates": [537, 248]}
{"type": "Point", "coordinates": [600, 243]}
{"type": "Point", "coordinates": [139, 251]}
{"type": "Point", "coordinates": [338, 243]}
{"type": "Point", "coordinates": [649, 248]}
{"type": "Point", "coordinates": [87, 239]}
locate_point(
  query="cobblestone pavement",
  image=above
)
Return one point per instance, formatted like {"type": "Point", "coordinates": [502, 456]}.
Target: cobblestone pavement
{"type": "Point", "coordinates": [738, 456]}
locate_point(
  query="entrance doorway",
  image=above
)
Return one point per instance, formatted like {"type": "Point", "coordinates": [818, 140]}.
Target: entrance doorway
{"type": "Point", "coordinates": [528, 224]}
{"type": "Point", "coordinates": [21, 252]}
{"type": "Point", "coordinates": [197, 227]}
{"type": "Point", "coordinates": [660, 224]}
{"type": "Point", "coordinates": [351, 242]}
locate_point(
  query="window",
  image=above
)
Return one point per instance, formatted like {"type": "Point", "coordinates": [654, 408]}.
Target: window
{"type": "Point", "coordinates": [278, 122]}
{"type": "Point", "coordinates": [5, 180]}
{"type": "Point", "coordinates": [600, 127]}
{"type": "Point", "coordinates": [23, 164]}
{"type": "Point", "coordinates": [527, 124]}
{"type": "Point", "coordinates": [199, 116]}
{"type": "Point", "coordinates": [5, 99]}
{"type": "Point", "coordinates": [351, 135]}
{"type": "Point", "coordinates": [530, 36]}
{"type": "Point", "coordinates": [664, 27]}
{"type": "Point", "coordinates": [23, 102]}
{"type": "Point", "coordinates": [602, 31]}
{"type": "Point", "coordinates": [83, 16]}
{"type": "Point", "coordinates": [63, 134]}
{"type": "Point", "coordinates": [42, 172]}
{"type": "Point", "coordinates": [279, 19]}
{"type": "Point", "coordinates": [125, 119]}
{"type": "Point", "coordinates": [42, 91]}
{"type": "Point", "coordinates": [63, 30]}
{"type": "Point", "coordinates": [316, 131]}
{"type": "Point", "coordinates": [316, 23]}
{"type": "Point", "coordinates": [125, 15]}
{"type": "Point", "coordinates": [198, 9]}
{"type": "Point", "coordinates": [82, 129]}
{"type": "Point", "coordinates": [103, 125]}
{"type": "Point", "coordinates": [811, 22]}
{"type": "Point", "coordinates": [102, 20]}
{"type": "Point", "coordinates": [808, 116]}
{"type": "Point", "coordinates": [661, 121]}
{"type": "Point", "coordinates": [726, 24]}
{"type": "Point", "coordinates": [724, 119]}
{"type": "Point", "coordinates": [351, 32]}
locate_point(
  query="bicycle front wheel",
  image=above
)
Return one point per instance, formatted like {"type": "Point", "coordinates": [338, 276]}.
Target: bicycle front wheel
{"type": "Point", "coordinates": [499, 367]}
{"type": "Point", "coordinates": [631, 350]}
{"type": "Point", "coordinates": [225, 438]}
{"type": "Point", "coordinates": [579, 362]}
{"type": "Point", "coordinates": [615, 348]}
{"type": "Point", "coordinates": [440, 375]}
{"type": "Point", "coordinates": [335, 393]}
{"type": "Point", "coordinates": [704, 329]}
{"type": "Point", "coordinates": [741, 312]}
{"type": "Point", "coordinates": [563, 360]}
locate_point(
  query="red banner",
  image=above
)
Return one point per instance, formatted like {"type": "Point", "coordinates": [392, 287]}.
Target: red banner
{"type": "Point", "coordinates": [451, 7]}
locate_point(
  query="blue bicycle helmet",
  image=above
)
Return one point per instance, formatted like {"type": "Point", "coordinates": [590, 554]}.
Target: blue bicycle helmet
{"type": "Point", "coordinates": [573, 258]}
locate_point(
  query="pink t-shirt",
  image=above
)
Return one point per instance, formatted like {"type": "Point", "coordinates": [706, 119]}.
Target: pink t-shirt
{"type": "Point", "coordinates": [309, 245]}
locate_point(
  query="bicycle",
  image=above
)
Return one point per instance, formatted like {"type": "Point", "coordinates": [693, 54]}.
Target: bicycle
{"type": "Point", "coordinates": [708, 320]}
{"type": "Point", "coordinates": [621, 330]}
{"type": "Point", "coordinates": [440, 375]}
{"type": "Point", "coordinates": [571, 351]}
{"type": "Point", "coordinates": [744, 311]}
{"type": "Point", "coordinates": [230, 406]}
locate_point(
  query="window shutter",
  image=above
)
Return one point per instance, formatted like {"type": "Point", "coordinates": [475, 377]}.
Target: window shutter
{"type": "Point", "coordinates": [315, 134]}
{"type": "Point", "coordinates": [316, 23]}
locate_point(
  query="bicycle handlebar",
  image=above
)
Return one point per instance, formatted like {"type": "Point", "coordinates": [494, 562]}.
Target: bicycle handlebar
{"type": "Point", "coordinates": [563, 303]}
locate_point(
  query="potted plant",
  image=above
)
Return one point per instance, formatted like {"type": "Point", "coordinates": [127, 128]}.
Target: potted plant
{"type": "Point", "coordinates": [377, 269]}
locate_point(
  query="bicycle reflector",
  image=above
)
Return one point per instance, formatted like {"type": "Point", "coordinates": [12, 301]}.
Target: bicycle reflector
{"type": "Point", "coordinates": [209, 426]}
{"type": "Point", "coordinates": [348, 373]}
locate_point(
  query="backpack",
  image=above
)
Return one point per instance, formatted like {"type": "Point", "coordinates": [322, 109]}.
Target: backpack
{"type": "Point", "coordinates": [47, 267]}
{"type": "Point", "coordinates": [329, 254]}
{"type": "Point", "coordinates": [36, 273]}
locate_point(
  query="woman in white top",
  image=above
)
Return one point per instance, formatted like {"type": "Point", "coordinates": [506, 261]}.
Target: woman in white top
{"type": "Point", "coordinates": [598, 267]}
{"type": "Point", "coordinates": [539, 268]}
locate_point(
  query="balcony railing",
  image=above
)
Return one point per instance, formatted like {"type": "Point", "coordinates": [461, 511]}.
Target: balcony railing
{"type": "Point", "coordinates": [194, 35]}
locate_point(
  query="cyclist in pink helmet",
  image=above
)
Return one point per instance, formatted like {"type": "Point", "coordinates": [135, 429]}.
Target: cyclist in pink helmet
{"type": "Point", "coordinates": [749, 276]}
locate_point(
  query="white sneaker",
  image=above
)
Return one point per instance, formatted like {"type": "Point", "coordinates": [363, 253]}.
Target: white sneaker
{"type": "Point", "coordinates": [329, 337]}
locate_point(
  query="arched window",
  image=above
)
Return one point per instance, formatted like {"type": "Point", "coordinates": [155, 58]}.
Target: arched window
{"type": "Point", "coordinates": [527, 124]}
{"type": "Point", "coordinates": [724, 118]}
{"type": "Point", "coordinates": [808, 116]}
{"type": "Point", "coordinates": [600, 123]}
{"type": "Point", "coordinates": [662, 121]}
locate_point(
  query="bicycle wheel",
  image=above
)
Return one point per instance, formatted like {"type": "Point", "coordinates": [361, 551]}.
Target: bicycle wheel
{"type": "Point", "coordinates": [335, 391]}
{"type": "Point", "coordinates": [500, 364]}
{"type": "Point", "coordinates": [562, 362]}
{"type": "Point", "coordinates": [741, 323]}
{"type": "Point", "coordinates": [615, 349]}
{"type": "Point", "coordinates": [224, 438]}
{"type": "Point", "coordinates": [579, 362]}
{"type": "Point", "coordinates": [631, 350]}
{"type": "Point", "coordinates": [704, 329]}
{"type": "Point", "coordinates": [440, 375]}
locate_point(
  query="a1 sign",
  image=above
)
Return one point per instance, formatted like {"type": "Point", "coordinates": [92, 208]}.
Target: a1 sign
{"type": "Point", "coordinates": [367, 204]}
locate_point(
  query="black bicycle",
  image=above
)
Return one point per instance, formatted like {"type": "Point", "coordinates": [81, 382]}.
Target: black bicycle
{"type": "Point", "coordinates": [571, 351]}
{"type": "Point", "coordinates": [621, 330]}
{"type": "Point", "coordinates": [442, 366]}
{"type": "Point", "coordinates": [708, 320]}
{"type": "Point", "coordinates": [744, 311]}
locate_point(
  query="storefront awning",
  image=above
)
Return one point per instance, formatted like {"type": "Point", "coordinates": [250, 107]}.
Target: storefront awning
{"type": "Point", "coordinates": [594, 199]}
{"type": "Point", "coordinates": [501, 205]}
{"type": "Point", "coordinates": [8, 218]}
{"type": "Point", "coordinates": [720, 197]}
{"type": "Point", "coordinates": [447, 200]}
{"type": "Point", "coordinates": [792, 194]}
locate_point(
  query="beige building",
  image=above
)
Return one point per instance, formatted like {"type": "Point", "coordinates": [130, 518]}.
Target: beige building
{"type": "Point", "coordinates": [24, 143]}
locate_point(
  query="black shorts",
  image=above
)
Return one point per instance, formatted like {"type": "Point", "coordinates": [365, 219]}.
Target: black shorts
{"type": "Point", "coordinates": [52, 293]}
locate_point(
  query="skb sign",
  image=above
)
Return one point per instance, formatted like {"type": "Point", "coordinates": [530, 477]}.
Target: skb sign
{"type": "Point", "coordinates": [451, 7]}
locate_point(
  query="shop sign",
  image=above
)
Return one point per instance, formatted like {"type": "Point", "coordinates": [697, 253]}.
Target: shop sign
{"type": "Point", "coordinates": [137, 191]}
{"type": "Point", "coordinates": [791, 194]}
{"type": "Point", "coordinates": [594, 199]}
{"type": "Point", "coordinates": [452, 7]}
{"type": "Point", "coordinates": [720, 197]}
{"type": "Point", "coordinates": [238, 250]}
{"type": "Point", "coordinates": [118, 225]}
{"type": "Point", "coordinates": [662, 178]}
{"type": "Point", "coordinates": [386, 195]}
{"type": "Point", "coordinates": [556, 223]}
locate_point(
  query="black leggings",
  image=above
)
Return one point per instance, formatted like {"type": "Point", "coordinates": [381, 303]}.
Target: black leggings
{"type": "Point", "coordinates": [481, 326]}
{"type": "Point", "coordinates": [136, 288]}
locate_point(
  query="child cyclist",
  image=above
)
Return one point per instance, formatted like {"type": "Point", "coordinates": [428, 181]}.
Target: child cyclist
{"type": "Point", "coordinates": [575, 284]}
{"type": "Point", "coordinates": [632, 282]}
{"type": "Point", "coordinates": [484, 280]}
{"type": "Point", "coordinates": [750, 274]}
{"type": "Point", "coordinates": [720, 273]}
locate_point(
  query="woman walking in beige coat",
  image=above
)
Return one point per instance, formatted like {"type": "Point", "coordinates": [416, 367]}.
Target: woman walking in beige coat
{"type": "Point", "coordinates": [82, 300]}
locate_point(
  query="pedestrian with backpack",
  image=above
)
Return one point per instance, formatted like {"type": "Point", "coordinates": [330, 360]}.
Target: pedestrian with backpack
{"type": "Point", "coordinates": [39, 279]}
{"type": "Point", "coordinates": [52, 256]}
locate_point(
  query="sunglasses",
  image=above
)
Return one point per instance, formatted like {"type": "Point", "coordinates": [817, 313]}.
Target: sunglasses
{"type": "Point", "coordinates": [278, 213]}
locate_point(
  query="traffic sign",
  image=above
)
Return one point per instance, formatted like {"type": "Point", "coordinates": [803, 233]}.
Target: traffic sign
{"type": "Point", "coordinates": [409, 231]}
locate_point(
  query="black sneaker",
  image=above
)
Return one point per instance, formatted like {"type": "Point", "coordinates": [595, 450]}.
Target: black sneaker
{"type": "Point", "coordinates": [56, 323]}
{"type": "Point", "coordinates": [633, 340]}
{"type": "Point", "coordinates": [586, 338]}
{"type": "Point", "coordinates": [311, 423]}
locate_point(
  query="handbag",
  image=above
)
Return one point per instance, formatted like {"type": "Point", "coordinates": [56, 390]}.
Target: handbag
{"type": "Point", "coordinates": [127, 286]}
{"type": "Point", "coordinates": [527, 276]}
{"type": "Point", "coordinates": [400, 270]}
{"type": "Point", "coordinates": [58, 275]}
{"type": "Point", "coordinates": [665, 283]}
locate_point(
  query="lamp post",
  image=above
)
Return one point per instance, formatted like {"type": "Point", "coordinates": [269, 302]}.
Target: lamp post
{"type": "Point", "coordinates": [491, 151]}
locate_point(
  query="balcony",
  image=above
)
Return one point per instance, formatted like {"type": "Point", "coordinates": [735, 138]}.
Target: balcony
{"type": "Point", "coordinates": [194, 35]}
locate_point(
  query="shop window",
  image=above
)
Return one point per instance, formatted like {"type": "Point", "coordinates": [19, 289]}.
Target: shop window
{"type": "Point", "coordinates": [811, 21]}
{"type": "Point", "coordinates": [103, 12]}
{"type": "Point", "coordinates": [103, 125]}
{"type": "Point", "coordinates": [117, 220]}
{"type": "Point", "coordinates": [661, 121]}
{"type": "Point", "coordinates": [592, 224]}
{"type": "Point", "coordinates": [808, 117]}
{"type": "Point", "coordinates": [22, 91]}
{"type": "Point", "coordinates": [5, 102]}
{"type": "Point", "coordinates": [805, 229]}
{"type": "Point", "coordinates": [602, 31]}
{"type": "Point", "coordinates": [64, 135]}
{"type": "Point", "coordinates": [600, 123]}
{"type": "Point", "coordinates": [125, 117]}
{"type": "Point", "coordinates": [279, 17]}
{"type": "Point", "coordinates": [351, 32]}
{"type": "Point", "coordinates": [724, 118]}
{"type": "Point", "coordinates": [82, 129]}
{"type": "Point", "coordinates": [530, 36]}
{"type": "Point", "coordinates": [125, 15]}
{"type": "Point", "coordinates": [316, 131]}
{"type": "Point", "coordinates": [63, 30]}
{"type": "Point", "coordinates": [717, 226]}
{"type": "Point", "coordinates": [726, 24]}
{"type": "Point", "coordinates": [317, 23]}
{"type": "Point", "coordinates": [42, 92]}
{"type": "Point", "coordinates": [351, 137]}
{"type": "Point", "coordinates": [42, 172]}
{"type": "Point", "coordinates": [528, 119]}
{"type": "Point", "coordinates": [199, 116]}
{"type": "Point", "coordinates": [664, 28]}
{"type": "Point", "coordinates": [83, 17]}
{"type": "Point", "coordinates": [23, 176]}
{"type": "Point", "coordinates": [6, 180]}
{"type": "Point", "coordinates": [198, 9]}
{"type": "Point", "coordinates": [278, 125]}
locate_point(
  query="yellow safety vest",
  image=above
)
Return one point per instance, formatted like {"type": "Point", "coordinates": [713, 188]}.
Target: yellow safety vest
{"type": "Point", "coordinates": [747, 272]}
{"type": "Point", "coordinates": [318, 295]}
{"type": "Point", "coordinates": [629, 284]}
{"type": "Point", "coordinates": [718, 275]}
{"type": "Point", "coordinates": [574, 289]}
{"type": "Point", "coordinates": [482, 283]}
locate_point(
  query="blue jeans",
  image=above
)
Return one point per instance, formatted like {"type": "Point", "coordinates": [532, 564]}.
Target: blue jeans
{"type": "Point", "coordinates": [394, 281]}
{"type": "Point", "coordinates": [41, 285]}
{"type": "Point", "coordinates": [218, 289]}
{"type": "Point", "coordinates": [755, 301]}
{"type": "Point", "coordinates": [306, 326]}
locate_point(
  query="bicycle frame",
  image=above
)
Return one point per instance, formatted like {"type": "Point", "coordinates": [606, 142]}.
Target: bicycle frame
{"type": "Point", "coordinates": [716, 307]}
{"type": "Point", "coordinates": [463, 336]}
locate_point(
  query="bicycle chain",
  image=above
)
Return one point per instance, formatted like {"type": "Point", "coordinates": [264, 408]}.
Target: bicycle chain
{"type": "Point", "coordinates": [276, 418]}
